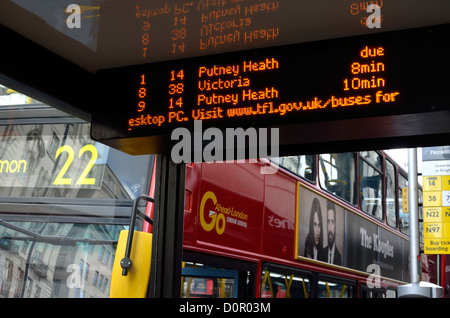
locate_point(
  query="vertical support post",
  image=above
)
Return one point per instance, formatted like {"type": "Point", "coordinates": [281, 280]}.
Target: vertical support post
{"type": "Point", "coordinates": [165, 277]}
{"type": "Point", "coordinates": [414, 257]}
{"type": "Point", "coordinates": [416, 289]}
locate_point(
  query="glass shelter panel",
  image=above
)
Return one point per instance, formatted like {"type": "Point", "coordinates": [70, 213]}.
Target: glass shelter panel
{"type": "Point", "coordinates": [65, 198]}
{"type": "Point", "coordinates": [60, 160]}
{"type": "Point", "coordinates": [56, 260]}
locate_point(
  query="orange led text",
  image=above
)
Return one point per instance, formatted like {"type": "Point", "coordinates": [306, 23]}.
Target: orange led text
{"type": "Point", "coordinates": [371, 52]}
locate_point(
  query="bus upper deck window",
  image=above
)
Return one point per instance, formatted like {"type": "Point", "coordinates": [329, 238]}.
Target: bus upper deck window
{"type": "Point", "coordinates": [303, 166]}
{"type": "Point", "coordinates": [337, 174]}
{"type": "Point", "coordinates": [371, 183]}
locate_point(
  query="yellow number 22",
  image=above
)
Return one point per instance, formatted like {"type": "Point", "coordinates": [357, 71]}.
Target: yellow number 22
{"type": "Point", "coordinates": [82, 180]}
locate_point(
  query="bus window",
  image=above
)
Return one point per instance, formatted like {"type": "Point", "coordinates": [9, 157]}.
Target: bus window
{"type": "Point", "coordinates": [60, 260]}
{"type": "Point", "coordinates": [329, 288]}
{"type": "Point", "coordinates": [337, 175]}
{"type": "Point", "coordinates": [302, 166]}
{"type": "Point", "coordinates": [391, 211]}
{"type": "Point", "coordinates": [200, 281]}
{"type": "Point", "coordinates": [404, 217]}
{"type": "Point", "coordinates": [366, 292]}
{"type": "Point", "coordinates": [204, 281]}
{"type": "Point", "coordinates": [391, 293]}
{"type": "Point", "coordinates": [371, 183]}
{"type": "Point", "coordinates": [285, 283]}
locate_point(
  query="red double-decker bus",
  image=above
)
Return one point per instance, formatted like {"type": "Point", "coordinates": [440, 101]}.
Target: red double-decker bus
{"type": "Point", "coordinates": [328, 225]}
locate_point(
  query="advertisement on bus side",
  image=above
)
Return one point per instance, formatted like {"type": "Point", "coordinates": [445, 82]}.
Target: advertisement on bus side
{"type": "Point", "coordinates": [329, 233]}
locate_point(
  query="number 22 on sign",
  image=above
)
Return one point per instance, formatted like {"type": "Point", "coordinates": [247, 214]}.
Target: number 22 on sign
{"type": "Point", "coordinates": [82, 179]}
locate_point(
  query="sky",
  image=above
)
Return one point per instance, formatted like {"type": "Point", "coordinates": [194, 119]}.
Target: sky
{"type": "Point", "coordinates": [401, 157]}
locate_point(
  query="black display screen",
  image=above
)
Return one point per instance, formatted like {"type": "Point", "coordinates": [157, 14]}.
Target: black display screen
{"type": "Point", "coordinates": [372, 75]}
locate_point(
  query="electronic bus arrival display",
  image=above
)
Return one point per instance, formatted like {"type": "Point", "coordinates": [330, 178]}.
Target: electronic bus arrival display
{"type": "Point", "coordinates": [373, 75]}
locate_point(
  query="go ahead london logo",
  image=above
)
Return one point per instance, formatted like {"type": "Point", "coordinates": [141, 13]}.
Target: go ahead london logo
{"type": "Point", "coordinates": [216, 215]}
